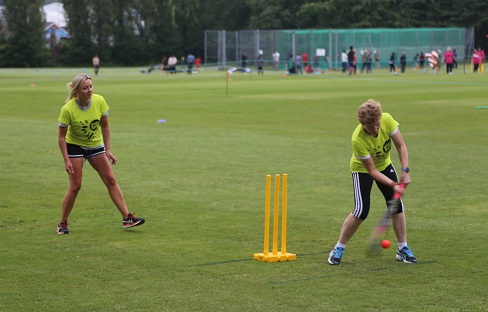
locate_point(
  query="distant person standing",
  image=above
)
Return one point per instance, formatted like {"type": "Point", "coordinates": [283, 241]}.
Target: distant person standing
{"type": "Point", "coordinates": [190, 60]}
{"type": "Point", "coordinates": [288, 57]}
{"type": "Point", "coordinates": [244, 60]}
{"type": "Point", "coordinates": [403, 62]}
{"type": "Point", "coordinates": [290, 65]}
{"type": "Point", "coordinates": [476, 60]}
{"type": "Point", "coordinates": [305, 59]}
{"type": "Point", "coordinates": [350, 60]}
{"type": "Point", "coordinates": [481, 53]}
{"type": "Point", "coordinates": [260, 64]}
{"type": "Point", "coordinates": [369, 69]}
{"type": "Point", "coordinates": [344, 61]}
{"type": "Point", "coordinates": [377, 58]}
{"type": "Point", "coordinates": [435, 62]}
{"type": "Point", "coordinates": [366, 58]}
{"type": "Point", "coordinates": [298, 64]}
{"type": "Point", "coordinates": [172, 61]}
{"type": "Point", "coordinates": [276, 60]}
{"type": "Point", "coordinates": [422, 61]}
{"type": "Point", "coordinates": [416, 61]}
{"type": "Point", "coordinates": [96, 64]}
{"type": "Point", "coordinates": [163, 62]}
{"type": "Point", "coordinates": [392, 63]}
{"type": "Point", "coordinates": [449, 60]}
{"type": "Point", "coordinates": [355, 61]}
{"type": "Point", "coordinates": [198, 63]}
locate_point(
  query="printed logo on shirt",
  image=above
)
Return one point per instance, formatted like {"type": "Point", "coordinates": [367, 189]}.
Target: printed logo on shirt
{"type": "Point", "coordinates": [387, 146]}
{"type": "Point", "coordinates": [89, 129]}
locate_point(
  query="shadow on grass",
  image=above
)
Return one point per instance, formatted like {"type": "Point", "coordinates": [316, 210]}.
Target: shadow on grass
{"type": "Point", "coordinates": [248, 259]}
{"type": "Point", "coordinates": [357, 272]}
{"type": "Point", "coordinates": [337, 273]}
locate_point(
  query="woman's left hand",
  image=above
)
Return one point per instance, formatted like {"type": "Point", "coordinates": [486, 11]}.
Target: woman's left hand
{"type": "Point", "coordinates": [405, 178]}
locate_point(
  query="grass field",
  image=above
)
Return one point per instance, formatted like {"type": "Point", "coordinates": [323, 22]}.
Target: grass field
{"type": "Point", "coordinates": [198, 179]}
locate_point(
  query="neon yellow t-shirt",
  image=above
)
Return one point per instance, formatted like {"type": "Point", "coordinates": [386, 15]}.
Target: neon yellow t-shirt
{"type": "Point", "coordinates": [365, 146]}
{"type": "Point", "coordinates": [84, 125]}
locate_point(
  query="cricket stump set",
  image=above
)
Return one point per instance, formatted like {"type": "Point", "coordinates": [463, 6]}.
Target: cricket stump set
{"type": "Point", "coordinates": [275, 255]}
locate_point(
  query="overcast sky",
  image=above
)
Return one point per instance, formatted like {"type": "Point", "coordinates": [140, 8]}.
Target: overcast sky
{"type": "Point", "coordinates": [55, 13]}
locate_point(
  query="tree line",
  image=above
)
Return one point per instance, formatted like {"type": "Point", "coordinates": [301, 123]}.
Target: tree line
{"type": "Point", "coordinates": [140, 32]}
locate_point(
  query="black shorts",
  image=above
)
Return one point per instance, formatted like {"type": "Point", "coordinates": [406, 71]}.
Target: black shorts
{"type": "Point", "coordinates": [362, 183]}
{"type": "Point", "coordinates": [76, 151]}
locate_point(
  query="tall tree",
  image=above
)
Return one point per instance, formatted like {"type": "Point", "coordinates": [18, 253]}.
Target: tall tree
{"type": "Point", "coordinates": [189, 24]}
{"type": "Point", "coordinates": [317, 15]}
{"type": "Point", "coordinates": [224, 14]}
{"type": "Point", "coordinates": [134, 32]}
{"type": "Point", "coordinates": [80, 48]}
{"type": "Point", "coordinates": [474, 17]}
{"type": "Point", "coordinates": [156, 29]}
{"type": "Point", "coordinates": [164, 36]}
{"type": "Point", "coordinates": [270, 14]}
{"type": "Point", "coordinates": [102, 26]}
{"type": "Point", "coordinates": [25, 46]}
{"type": "Point", "coordinates": [126, 43]}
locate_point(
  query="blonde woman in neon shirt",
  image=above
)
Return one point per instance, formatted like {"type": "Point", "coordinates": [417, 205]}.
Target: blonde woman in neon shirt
{"type": "Point", "coordinates": [84, 134]}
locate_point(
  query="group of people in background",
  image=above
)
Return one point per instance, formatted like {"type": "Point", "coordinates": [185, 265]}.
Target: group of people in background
{"type": "Point", "coordinates": [167, 64]}
{"type": "Point", "coordinates": [302, 61]}
{"type": "Point", "coordinates": [297, 64]}
{"type": "Point", "coordinates": [349, 61]}
{"type": "Point", "coordinates": [170, 64]}
{"type": "Point", "coordinates": [367, 59]}
{"type": "Point", "coordinates": [435, 60]}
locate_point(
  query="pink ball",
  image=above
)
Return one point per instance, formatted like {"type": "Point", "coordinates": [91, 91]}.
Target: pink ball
{"type": "Point", "coordinates": [385, 244]}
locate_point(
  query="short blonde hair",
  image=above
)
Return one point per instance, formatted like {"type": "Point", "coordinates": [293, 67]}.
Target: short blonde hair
{"type": "Point", "coordinates": [369, 112]}
{"type": "Point", "coordinates": [75, 84]}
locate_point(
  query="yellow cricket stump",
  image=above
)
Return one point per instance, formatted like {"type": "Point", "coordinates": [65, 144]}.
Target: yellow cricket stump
{"type": "Point", "coordinates": [275, 255]}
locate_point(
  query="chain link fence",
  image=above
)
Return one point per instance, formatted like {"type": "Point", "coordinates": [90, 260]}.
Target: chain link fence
{"type": "Point", "coordinates": [324, 47]}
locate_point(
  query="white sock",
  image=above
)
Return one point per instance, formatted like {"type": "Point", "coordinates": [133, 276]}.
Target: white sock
{"type": "Point", "coordinates": [401, 245]}
{"type": "Point", "coordinates": [339, 244]}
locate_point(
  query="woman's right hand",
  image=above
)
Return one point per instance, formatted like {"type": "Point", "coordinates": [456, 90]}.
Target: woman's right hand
{"type": "Point", "coordinates": [69, 167]}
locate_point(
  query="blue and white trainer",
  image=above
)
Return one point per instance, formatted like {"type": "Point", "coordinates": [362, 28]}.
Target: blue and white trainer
{"type": "Point", "coordinates": [335, 256]}
{"type": "Point", "coordinates": [406, 255]}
